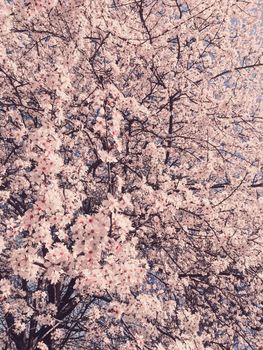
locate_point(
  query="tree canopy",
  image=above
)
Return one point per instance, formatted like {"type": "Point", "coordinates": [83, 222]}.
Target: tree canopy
{"type": "Point", "coordinates": [131, 180]}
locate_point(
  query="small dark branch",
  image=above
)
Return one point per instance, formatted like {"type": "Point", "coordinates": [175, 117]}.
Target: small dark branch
{"type": "Point", "coordinates": [167, 334]}
{"type": "Point", "coordinates": [179, 9]}
{"type": "Point", "coordinates": [237, 69]}
{"type": "Point", "coordinates": [140, 5]}
{"type": "Point", "coordinates": [234, 190]}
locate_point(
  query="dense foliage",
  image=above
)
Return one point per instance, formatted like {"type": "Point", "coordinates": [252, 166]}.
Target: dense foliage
{"type": "Point", "coordinates": [131, 179]}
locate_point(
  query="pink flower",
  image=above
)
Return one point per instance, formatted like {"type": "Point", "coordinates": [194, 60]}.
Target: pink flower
{"type": "Point", "coordinates": [5, 288]}
{"type": "Point", "coordinates": [2, 244]}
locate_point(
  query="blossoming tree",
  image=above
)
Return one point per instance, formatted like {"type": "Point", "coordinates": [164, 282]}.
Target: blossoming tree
{"type": "Point", "coordinates": [131, 175]}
